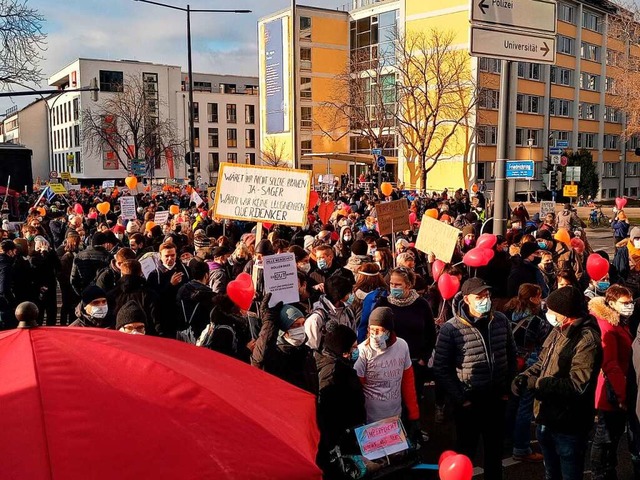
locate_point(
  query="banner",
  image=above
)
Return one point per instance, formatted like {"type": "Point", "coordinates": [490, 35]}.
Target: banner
{"type": "Point", "coordinates": [393, 216]}
{"type": "Point", "coordinates": [281, 278]}
{"type": "Point", "coordinates": [382, 438]}
{"type": "Point", "coordinates": [263, 194]}
{"type": "Point", "coordinates": [108, 183]}
{"type": "Point", "coordinates": [128, 207]}
{"type": "Point", "coordinates": [437, 237]}
{"type": "Point", "coordinates": [161, 217]}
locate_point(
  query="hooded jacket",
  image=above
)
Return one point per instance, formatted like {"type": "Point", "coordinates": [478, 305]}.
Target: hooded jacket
{"type": "Point", "coordinates": [567, 371]}
{"type": "Point", "coordinates": [85, 266]}
{"type": "Point", "coordinates": [342, 248]}
{"type": "Point", "coordinates": [84, 320]}
{"type": "Point", "coordinates": [195, 302]}
{"type": "Point", "coordinates": [616, 354]}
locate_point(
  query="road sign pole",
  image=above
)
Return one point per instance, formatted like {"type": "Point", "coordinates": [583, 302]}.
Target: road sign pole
{"type": "Point", "coordinates": [553, 192]}
{"type": "Point", "coordinates": [500, 203]}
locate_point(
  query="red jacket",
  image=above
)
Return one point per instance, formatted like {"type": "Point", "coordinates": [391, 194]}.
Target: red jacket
{"type": "Point", "coordinates": [616, 351]}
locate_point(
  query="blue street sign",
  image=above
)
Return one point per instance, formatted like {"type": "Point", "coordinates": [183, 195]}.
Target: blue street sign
{"type": "Point", "coordinates": [562, 143]}
{"type": "Point", "coordinates": [376, 151]}
{"type": "Point", "coordinates": [520, 169]}
{"type": "Point", "coordinates": [382, 162]}
{"type": "Point", "coordinates": [555, 151]}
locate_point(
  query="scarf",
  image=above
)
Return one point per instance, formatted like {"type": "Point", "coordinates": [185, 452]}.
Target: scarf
{"type": "Point", "coordinates": [634, 256]}
{"type": "Point", "coordinates": [404, 302]}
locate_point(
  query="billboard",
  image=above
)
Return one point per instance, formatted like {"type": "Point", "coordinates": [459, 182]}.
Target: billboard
{"type": "Point", "coordinates": [276, 75]}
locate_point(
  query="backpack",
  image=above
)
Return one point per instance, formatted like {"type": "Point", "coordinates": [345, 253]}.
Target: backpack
{"type": "Point", "coordinates": [187, 335]}
{"type": "Point", "coordinates": [209, 334]}
{"type": "Point", "coordinates": [368, 304]}
{"type": "Point", "coordinates": [328, 324]}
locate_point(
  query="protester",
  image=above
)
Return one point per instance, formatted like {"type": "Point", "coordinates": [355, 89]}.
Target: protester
{"type": "Point", "coordinates": [131, 319]}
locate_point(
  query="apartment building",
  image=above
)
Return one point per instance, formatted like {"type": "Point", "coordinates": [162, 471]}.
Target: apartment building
{"type": "Point", "coordinates": [570, 101]}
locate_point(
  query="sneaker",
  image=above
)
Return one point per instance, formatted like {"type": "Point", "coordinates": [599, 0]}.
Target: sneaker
{"type": "Point", "coordinates": [533, 457]}
{"type": "Point", "coordinates": [439, 414]}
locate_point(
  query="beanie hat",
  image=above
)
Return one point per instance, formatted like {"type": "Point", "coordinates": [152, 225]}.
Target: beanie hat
{"type": "Point", "coordinates": [200, 240]}
{"type": "Point", "coordinates": [130, 312]}
{"type": "Point", "coordinates": [382, 317]}
{"type": "Point", "coordinates": [360, 247]}
{"type": "Point", "coordinates": [264, 247]}
{"type": "Point", "coordinates": [91, 293]}
{"type": "Point", "coordinates": [339, 340]}
{"type": "Point", "coordinates": [567, 301]}
{"type": "Point", "coordinates": [635, 233]}
{"type": "Point", "coordinates": [468, 230]}
{"type": "Point", "coordinates": [308, 242]}
{"type": "Point", "coordinates": [382, 243]}
{"type": "Point", "coordinates": [528, 249]}
{"type": "Point", "coordinates": [543, 234]}
{"type": "Point", "coordinates": [288, 315]}
{"type": "Point", "coordinates": [133, 226]}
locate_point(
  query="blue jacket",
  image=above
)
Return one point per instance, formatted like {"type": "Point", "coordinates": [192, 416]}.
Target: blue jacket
{"type": "Point", "coordinates": [620, 228]}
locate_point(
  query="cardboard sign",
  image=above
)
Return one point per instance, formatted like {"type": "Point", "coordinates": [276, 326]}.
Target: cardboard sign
{"type": "Point", "coordinates": [108, 184]}
{"type": "Point", "coordinates": [65, 176]}
{"type": "Point", "coordinates": [148, 264]}
{"type": "Point", "coordinates": [161, 217]}
{"type": "Point", "coordinates": [128, 207]}
{"type": "Point", "coordinates": [281, 278]}
{"type": "Point", "coordinates": [57, 188]}
{"type": "Point", "coordinates": [393, 216]}
{"type": "Point", "coordinates": [197, 199]}
{"type": "Point", "coordinates": [73, 181]}
{"type": "Point", "coordinates": [263, 194]}
{"type": "Point", "coordinates": [547, 207]}
{"type": "Point", "coordinates": [382, 438]}
{"type": "Point", "coordinates": [211, 196]}
{"type": "Point", "coordinates": [437, 237]}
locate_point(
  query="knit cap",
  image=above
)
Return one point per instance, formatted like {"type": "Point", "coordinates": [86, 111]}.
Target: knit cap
{"type": "Point", "coordinates": [288, 315]}
{"type": "Point", "coordinates": [130, 312]}
{"type": "Point", "coordinates": [567, 301]}
{"type": "Point", "coordinates": [382, 317]}
{"type": "Point", "coordinates": [200, 240]}
{"type": "Point", "coordinates": [91, 293]}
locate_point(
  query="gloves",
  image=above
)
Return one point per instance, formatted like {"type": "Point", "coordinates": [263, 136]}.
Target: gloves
{"type": "Point", "coordinates": [413, 431]}
{"type": "Point", "coordinates": [519, 385]}
{"type": "Point", "coordinates": [272, 313]}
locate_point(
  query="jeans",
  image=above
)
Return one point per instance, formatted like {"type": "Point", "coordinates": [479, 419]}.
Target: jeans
{"type": "Point", "coordinates": [564, 454]}
{"type": "Point", "coordinates": [604, 451]}
{"type": "Point", "coordinates": [522, 426]}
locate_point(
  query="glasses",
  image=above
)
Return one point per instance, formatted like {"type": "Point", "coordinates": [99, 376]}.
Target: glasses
{"type": "Point", "coordinates": [132, 328]}
{"type": "Point", "coordinates": [630, 302]}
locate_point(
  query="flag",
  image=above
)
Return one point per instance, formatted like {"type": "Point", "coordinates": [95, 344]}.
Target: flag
{"type": "Point", "coordinates": [48, 193]}
{"type": "Point", "coordinates": [195, 198]}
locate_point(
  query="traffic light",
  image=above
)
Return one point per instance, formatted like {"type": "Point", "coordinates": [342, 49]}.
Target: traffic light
{"type": "Point", "coordinates": [553, 181]}
{"type": "Point", "coordinates": [187, 158]}
{"type": "Point", "coordinates": [192, 176]}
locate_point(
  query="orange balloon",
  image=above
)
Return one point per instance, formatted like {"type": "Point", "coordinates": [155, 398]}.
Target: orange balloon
{"type": "Point", "coordinates": [147, 188]}
{"type": "Point", "coordinates": [131, 182]}
{"type": "Point", "coordinates": [104, 207]}
{"type": "Point", "coordinates": [562, 235]}
{"type": "Point", "coordinates": [386, 188]}
{"type": "Point", "coordinates": [149, 225]}
{"type": "Point", "coordinates": [165, 188]}
{"type": "Point", "coordinates": [174, 209]}
{"type": "Point", "coordinates": [42, 211]}
{"type": "Point", "coordinates": [432, 212]}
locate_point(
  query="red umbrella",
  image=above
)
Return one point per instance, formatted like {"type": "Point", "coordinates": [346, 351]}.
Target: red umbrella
{"type": "Point", "coordinates": [87, 403]}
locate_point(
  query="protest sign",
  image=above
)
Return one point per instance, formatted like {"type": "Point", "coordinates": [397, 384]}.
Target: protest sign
{"type": "Point", "coordinates": [281, 278]}
{"type": "Point", "coordinates": [57, 188]}
{"type": "Point", "coordinates": [128, 207]}
{"type": "Point", "coordinates": [393, 216]}
{"type": "Point", "coordinates": [547, 206]}
{"type": "Point", "coordinates": [263, 194]}
{"type": "Point", "coordinates": [197, 199]}
{"type": "Point", "coordinates": [437, 237]}
{"type": "Point", "coordinates": [148, 264]}
{"type": "Point", "coordinates": [382, 438]}
{"type": "Point", "coordinates": [108, 183]}
{"type": "Point", "coordinates": [211, 196]}
{"type": "Point", "coordinates": [161, 217]}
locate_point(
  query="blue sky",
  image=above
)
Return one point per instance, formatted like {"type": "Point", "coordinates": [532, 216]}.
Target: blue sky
{"type": "Point", "coordinates": [125, 29]}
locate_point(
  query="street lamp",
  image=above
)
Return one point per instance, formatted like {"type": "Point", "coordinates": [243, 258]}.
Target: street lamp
{"type": "Point", "coordinates": [188, 11]}
{"type": "Point", "coordinates": [530, 143]}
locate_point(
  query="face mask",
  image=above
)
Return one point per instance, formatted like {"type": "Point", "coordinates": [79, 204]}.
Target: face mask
{"type": "Point", "coordinates": [536, 260]}
{"type": "Point", "coordinates": [349, 301]}
{"type": "Point", "coordinates": [483, 306]}
{"type": "Point", "coordinates": [626, 310]}
{"type": "Point", "coordinates": [636, 243]}
{"type": "Point", "coordinates": [322, 264]}
{"type": "Point", "coordinates": [397, 292]}
{"type": "Point", "coordinates": [99, 312]}
{"type": "Point", "coordinates": [552, 318]}
{"type": "Point", "coordinates": [354, 355]}
{"type": "Point", "coordinates": [603, 285]}
{"type": "Point", "coordinates": [379, 342]}
{"type": "Point", "coordinates": [542, 245]}
{"type": "Point", "coordinates": [372, 251]}
{"type": "Point", "coordinates": [468, 242]}
{"type": "Point", "coordinates": [295, 336]}
{"type": "Point", "coordinates": [305, 267]}
{"type": "Point", "coordinates": [347, 238]}
{"type": "Point", "coordinates": [548, 267]}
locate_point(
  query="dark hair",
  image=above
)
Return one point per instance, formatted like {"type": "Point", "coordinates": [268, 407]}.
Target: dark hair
{"type": "Point", "coordinates": [131, 267]}
{"type": "Point", "coordinates": [368, 283]}
{"type": "Point", "coordinates": [337, 287]}
{"type": "Point", "coordinates": [299, 252]}
{"type": "Point", "coordinates": [386, 257]}
{"type": "Point", "coordinates": [199, 269]}
{"type": "Point", "coordinates": [522, 302]}
{"type": "Point", "coordinates": [568, 275]}
{"type": "Point", "coordinates": [280, 244]}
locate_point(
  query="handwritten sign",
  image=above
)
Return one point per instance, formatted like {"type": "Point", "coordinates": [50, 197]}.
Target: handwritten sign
{"type": "Point", "coordinates": [263, 194]}
{"type": "Point", "coordinates": [148, 263]}
{"type": "Point", "coordinates": [393, 216]}
{"type": "Point", "coordinates": [281, 278]}
{"type": "Point", "coordinates": [128, 207]}
{"type": "Point", "coordinates": [108, 183]}
{"type": "Point", "coordinates": [382, 438]}
{"type": "Point", "coordinates": [437, 237]}
{"type": "Point", "coordinates": [197, 199]}
{"type": "Point", "coordinates": [161, 217]}
{"type": "Point", "coordinates": [211, 196]}
{"type": "Point", "coordinates": [547, 206]}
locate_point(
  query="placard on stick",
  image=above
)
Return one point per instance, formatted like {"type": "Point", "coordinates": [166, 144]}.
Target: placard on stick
{"type": "Point", "coordinates": [281, 278]}
{"type": "Point", "coordinates": [128, 207]}
{"type": "Point", "coordinates": [393, 217]}
{"type": "Point", "coordinates": [161, 217]}
{"type": "Point", "coordinates": [382, 438]}
{"type": "Point", "coordinates": [437, 237]}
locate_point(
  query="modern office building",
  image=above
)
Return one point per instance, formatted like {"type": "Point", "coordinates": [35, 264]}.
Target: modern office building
{"type": "Point", "coordinates": [570, 101]}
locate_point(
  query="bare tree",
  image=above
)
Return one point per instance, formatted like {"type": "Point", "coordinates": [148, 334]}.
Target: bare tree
{"type": "Point", "coordinates": [128, 124]}
{"type": "Point", "coordinates": [273, 152]}
{"type": "Point", "coordinates": [22, 43]}
{"type": "Point", "coordinates": [437, 96]}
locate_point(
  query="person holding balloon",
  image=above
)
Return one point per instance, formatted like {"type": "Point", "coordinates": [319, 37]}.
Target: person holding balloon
{"type": "Point", "coordinates": [627, 261]}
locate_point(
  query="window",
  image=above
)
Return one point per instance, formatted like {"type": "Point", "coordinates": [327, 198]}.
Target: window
{"type": "Point", "coordinates": [111, 81]}
{"type": "Point", "coordinates": [487, 134]}
{"type": "Point", "coordinates": [529, 71]}
{"type": "Point", "coordinates": [610, 169]}
{"type": "Point", "coordinates": [305, 28]}
{"type": "Point", "coordinates": [305, 58]}
{"type": "Point", "coordinates": [561, 76]}
{"type": "Point", "coordinates": [250, 158]}
{"type": "Point", "coordinates": [214, 161]}
{"type": "Point", "coordinates": [611, 142]}
{"type": "Point", "coordinates": [305, 117]}
{"type": "Point", "coordinates": [632, 170]}
{"type": "Point", "coordinates": [591, 21]}
{"type": "Point", "coordinates": [559, 107]}
{"type": "Point", "coordinates": [559, 135]}
{"type": "Point", "coordinates": [613, 57]}
{"type": "Point", "coordinates": [232, 137]}
{"type": "Point", "coordinates": [481, 170]}
{"type": "Point", "coordinates": [212, 112]}
{"type": "Point", "coordinates": [588, 111]}
{"type": "Point", "coordinates": [305, 88]}
{"type": "Point", "coordinates": [524, 134]}
{"type": "Point", "coordinates": [232, 157]}
{"type": "Point", "coordinates": [528, 103]}
{"type": "Point", "coordinates": [612, 115]}
{"type": "Point", "coordinates": [76, 135]}
{"type": "Point", "coordinates": [250, 138]}
{"type": "Point", "coordinates": [587, 140]}
{"type": "Point", "coordinates": [590, 52]}
{"type": "Point", "coordinates": [566, 45]}
{"type": "Point", "coordinates": [489, 99]}
{"type": "Point", "coordinates": [196, 112]}
{"type": "Point", "coordinates": [566, 13]}
{"type": "Point", "coordinates": [609, 85]}
{"type": "Point", "coordinates": [196, 137]}
{"type": "Point", "coordinates": [213, 138]}
{"type": "Point", "coordinates": [589, 81]}
{"type": "Point", "coordinates": [490, 65]}
{"type": "Point", "coordinates": [231, 113]}
{"type": "Point", "coordinates": [249, 114]}
{"type": "Point", "coordinates": [305, 146]}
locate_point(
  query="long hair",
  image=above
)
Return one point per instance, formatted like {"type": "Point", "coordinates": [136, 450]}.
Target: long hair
{"type": "Point", "coordinates": [368, 278]}
{"type": "Point", "coordinates": [522, 302]}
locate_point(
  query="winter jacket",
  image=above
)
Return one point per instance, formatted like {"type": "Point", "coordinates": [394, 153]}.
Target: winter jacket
{"type": "Point", "coordinates": [218, 277]}
{"type": "Point", "coordinates": [194, 303]}
{"type": "Point", "coordinates": [620, 229]}
{"type": "Point", "coordinates": [569, 220]}
{"type": "Point", "coordinates": [159, 281]}
{"type": "Point", "coordinates": [7, 298]}
{"type": "Point", "coordinates": [85, 266]}
{"type": "Point", "coordinates": [566, 372]}
{"type": "Point", "coordinates": [616, 354]}
{"type": "Point", "coordinates": [134, 288]}
{"type": "Point", "coordinates": [475, 357]}
{"type": "Point", "coordinates": [84, 320]}
{"type": "Point", "coordinates": [107, 277]}
{"type": "Point", "coordinates": [320, 276]}
{"type": "Point", "coordinates": [323, 315]}
{"type": "Point", "coordinates": [525, 272]}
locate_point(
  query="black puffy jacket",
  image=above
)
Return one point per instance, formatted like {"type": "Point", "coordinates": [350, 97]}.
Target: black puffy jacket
{"type": "Point", "coordinates": [86, 265]}
{"type": "Point", "coordinates": [475, 356]}
{"type": "Point", "coordinates": [195, 302]}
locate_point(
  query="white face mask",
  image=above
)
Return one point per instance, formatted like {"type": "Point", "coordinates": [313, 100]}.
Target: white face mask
{"type": "Point", "coordinates": [379, 342]}
{"type": "Point", "coordinates": [626, 310]}
{"type": "Point", "coordinates": [100, 311]}
{"type": "Point", "coordinates": [295, 336]}
{"type": "Point", "coordinates": [636, 243]}
{"type": "Point", "coordinates": [305, 267]}
{"type": "Point", "coordinates": [552, 318]}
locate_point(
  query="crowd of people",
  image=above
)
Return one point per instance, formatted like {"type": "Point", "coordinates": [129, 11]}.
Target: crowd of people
{"type": "Point", "coordinates": [529, 336]}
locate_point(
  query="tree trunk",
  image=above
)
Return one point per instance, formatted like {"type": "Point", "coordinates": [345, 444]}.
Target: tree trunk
{"type": "Point", "coordinates": [424, 173]}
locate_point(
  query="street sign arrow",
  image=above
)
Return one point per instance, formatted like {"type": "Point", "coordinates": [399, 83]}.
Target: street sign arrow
{"type": "Point", "coordinates": [511, 45]}
{"type": "Point", "coordinates": [483, 6]}
{"type": "Point", "coordinates": [538, 16]}
{"type": "Point", "coordinates": [545, 49]}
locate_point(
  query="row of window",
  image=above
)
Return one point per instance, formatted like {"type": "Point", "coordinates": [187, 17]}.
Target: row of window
{"type": "Point", "coordinates": [61, 162]}
{"type": "Point", "coordinates": [488, 135]}
{"type": "Point", "coordinates": [66, 112]}
{"type": "Point", "coordinates": [590, 21]}
{"type": "Point", "coordinates": [65, 138]}
{"type": "Point", "coordinates": [232, 116]}
{"type": "Point", "coordinates": [232, 157]}
{"type": "Point", "coordinates": [213, 138]}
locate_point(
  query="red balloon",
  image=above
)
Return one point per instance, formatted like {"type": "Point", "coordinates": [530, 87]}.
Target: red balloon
{"type": "Point", "coordinates": [620, 202]}
{"type": "Point", "coordinates": [448, 285]}
{"type": "Point", "coordinates": [488, 254]}
{"type": "Point", "coordinates": [476, 257]}
{"type": "Point", "coordinates": [412, 218]}
{"type": "Point", "coordinates": [313, 199]}
{"type": "Point", "coordinates": [267, 225]}
{"type": "Point", "coordinates": [437, 268]}
{"type": "Point", "coordinates": [241, 291]}
{"type": "Point", "coordinates": [456, 467]}
{"type": "Point", "coordinates": [77, 208]}
{"type": "Point", "coordinates": [444, 455]}
{"type": "Point", "coordinates": [486, 240]}
{"type": "Point", "coordinates": [597, 267]}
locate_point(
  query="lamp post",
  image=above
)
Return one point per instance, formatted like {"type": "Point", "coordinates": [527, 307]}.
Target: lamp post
{"type": "Point", "coordinates": [188, 11]}
{"type": "Point", "coordinates": [530, 143]}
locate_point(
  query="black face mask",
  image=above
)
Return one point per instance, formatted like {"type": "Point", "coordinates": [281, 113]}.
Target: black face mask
{"type": "Point", "coordinates": [548, 267]}
{"type": "Point", "coordinates": [536, 260]}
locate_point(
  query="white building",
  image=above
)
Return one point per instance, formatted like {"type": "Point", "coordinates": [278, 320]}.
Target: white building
{"type": "Point", "coordinates": [226, 121]}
